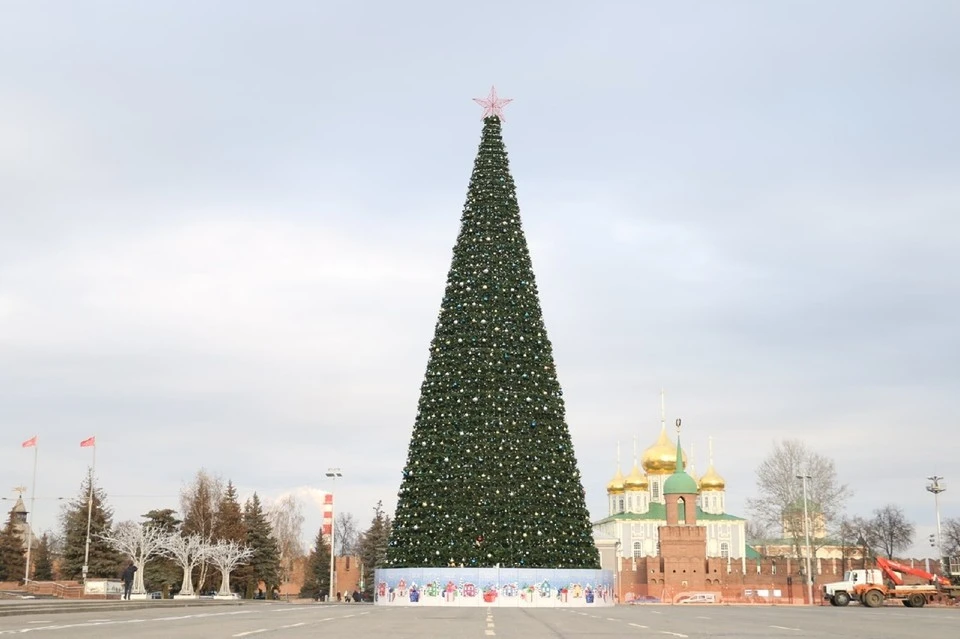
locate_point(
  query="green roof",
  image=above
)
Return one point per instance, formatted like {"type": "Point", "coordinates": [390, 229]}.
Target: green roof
{"type": "Point", "coordinates": [752, 553]}
{"type": "Point", "coordinates": [680, 483]}
{"type": "Point", "coordinates": [658, 512]}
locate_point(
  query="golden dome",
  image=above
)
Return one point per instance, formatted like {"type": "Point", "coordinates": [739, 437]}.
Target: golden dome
{"type": "Point", "coordinates": [712, 481]}
{"type": "Point", "coordinates": [616, 484]}
{"type": "Point", "coordinates": [661, 458]}
{"type": "Point", "coordinates": [636, 480]}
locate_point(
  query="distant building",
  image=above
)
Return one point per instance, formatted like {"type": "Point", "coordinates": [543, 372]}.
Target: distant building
{"type": "Point", "coordinates": [21, 526]}
{"type": "Point", "coordinates": [667, 537]}
{"type": "Point", "coordinates": [636, 506]}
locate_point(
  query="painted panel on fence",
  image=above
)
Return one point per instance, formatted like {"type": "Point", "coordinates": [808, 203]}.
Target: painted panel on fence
{"type": "Point", "coordinates": [517, 587]}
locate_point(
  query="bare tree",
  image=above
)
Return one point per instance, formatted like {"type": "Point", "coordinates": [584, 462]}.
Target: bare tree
{"type": "Point", "coordinates": [862, 530]}
{"type": "Point", "coordinates": [199, 503]}
{"type": "Point", "coordinates": [757, 531]}
{"type": "Point", "coordinates": [227, 555]}
{"type": "Point", "coordinates": [950, 529]}
{"type": "Point", "coordinates": [847, 533]}
{"type": "Point", "coordinates": [286, 520]}
{"type": "Point", "coordinates": [139, 542]}
{"type": "Point", "coordinates": [779, 501]}
{"type": "Point", "coordinates": [347, 534]}
{"type": "Point", "coordinates": [188, 552]}
{"type": "Point", "coordinates": [891, 530]}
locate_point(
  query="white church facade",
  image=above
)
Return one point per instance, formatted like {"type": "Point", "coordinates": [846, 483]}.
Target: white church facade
{"type": "Point", "coordinates": [636, 506]}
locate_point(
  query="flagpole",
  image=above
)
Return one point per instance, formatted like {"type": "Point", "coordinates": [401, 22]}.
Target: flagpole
{"type": "Point", "coordinates": [33, 500]}
{"type": "Point", "coordinates": [86, 551]}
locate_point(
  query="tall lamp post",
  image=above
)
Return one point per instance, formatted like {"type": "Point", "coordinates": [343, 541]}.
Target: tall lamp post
{"type": "Point", "coordinates": [935, 488]}
{"type": "Point", "coordinates": [332, 473]}
{"type": "Point", "coordinates": [806, 534]}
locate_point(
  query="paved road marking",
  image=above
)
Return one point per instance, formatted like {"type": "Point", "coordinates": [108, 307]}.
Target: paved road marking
{"type": "Point", "coordinates": [250, 632]}
{"type": "Point", "coordinates": [612, 619]}
{"type": "Point", "coordinates": [295, 625]}
{"type": "Point", "coordinates": [489, 631]}
{"type": "Point", "coordinates": [43, 621]}
{"type": "Point", "coordinates": [703, 617]}
{"type": "Point", "coordinates": [656, 613]}
{"type": "Point", "coordinates": [667, 632]}
{"type": "Point", "coordinates": [785, 628]}
{"type": "Point", "coordinates": [117, 622]}
{"type": "Point", "coordinates": [636, 625]}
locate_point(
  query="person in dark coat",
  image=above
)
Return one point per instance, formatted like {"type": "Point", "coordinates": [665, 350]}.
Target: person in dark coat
{"type": "Point", "coordinates": [127, 578]}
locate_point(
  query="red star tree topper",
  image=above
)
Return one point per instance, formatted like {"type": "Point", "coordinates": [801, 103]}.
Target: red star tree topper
{"type": "Point", "coordinates": [493, 104]}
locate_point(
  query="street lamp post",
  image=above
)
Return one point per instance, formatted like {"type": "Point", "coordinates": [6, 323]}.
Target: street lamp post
{"type": "Point", "coordinates": [332, 473]}
{"type": "Point", "coordinates": [806, 534]}
{"type": "Point", "coordinates": [935, 488]}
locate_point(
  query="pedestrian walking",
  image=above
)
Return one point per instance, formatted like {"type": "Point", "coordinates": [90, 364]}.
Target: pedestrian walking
{"type": "Point", "coordinates": [127, 578]}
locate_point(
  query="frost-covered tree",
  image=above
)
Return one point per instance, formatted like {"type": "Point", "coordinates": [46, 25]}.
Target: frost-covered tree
{"type": "Point", "coordinates": [227, 555]}
{"type": "Point", "coordinates": [199, 503]}
{"type": "Point", "coordinates": [139, 542]}
{"type": "Point", "coordinates": [188, 552]}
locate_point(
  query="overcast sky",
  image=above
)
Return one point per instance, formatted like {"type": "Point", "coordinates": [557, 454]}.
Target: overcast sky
{"type": "Point", "coordinates": [225, 229]}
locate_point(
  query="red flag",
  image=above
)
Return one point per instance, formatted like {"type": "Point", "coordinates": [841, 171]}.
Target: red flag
{"type": "Point", "coordinates": [90, 441]}
{"type": "Point", "coordinates": [30, 442]}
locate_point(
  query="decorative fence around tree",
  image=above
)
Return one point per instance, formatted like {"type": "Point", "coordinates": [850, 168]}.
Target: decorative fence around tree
{"type": "Point", "coordinates": [502, 587]}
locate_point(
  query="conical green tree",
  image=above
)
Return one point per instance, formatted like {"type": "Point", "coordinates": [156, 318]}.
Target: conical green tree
{"type": "Point", "coordinates": [43, 566]}
{"type": "Point", "coordinates": [13, 559]}
{"type": "Point", "coordinates": [265, 564]}
{"type": "Point", "coordinates": [373, 547]}
{"type": "Point", "coordinates": [316, 580]}
{"type": "Point", "coordinates": [228, 520]}
{"type": "Point", "coordinates": [491, 475]}
{"type": "Point", "coordinates": [104, 560]}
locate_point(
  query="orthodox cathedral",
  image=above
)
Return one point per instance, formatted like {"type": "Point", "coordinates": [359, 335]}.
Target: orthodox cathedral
{"type": "Point", "coordinates": [637, 505]}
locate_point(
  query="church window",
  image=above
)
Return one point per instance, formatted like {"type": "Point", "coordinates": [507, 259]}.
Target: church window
{"type": "Point", "coordinates": [637, 550]}
{"type": "Point", "coordinates": [655, 489]}
{"type": "Point", "coordinates": [630, 504]}
{"type": "Point", "coordinates": [725, 550]}
{"type": "Point", "coordinates": [621, 504]}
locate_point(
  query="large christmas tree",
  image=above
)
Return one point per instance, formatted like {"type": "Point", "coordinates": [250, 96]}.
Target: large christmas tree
{"type": "Point", "coordinates": [491, 476]}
